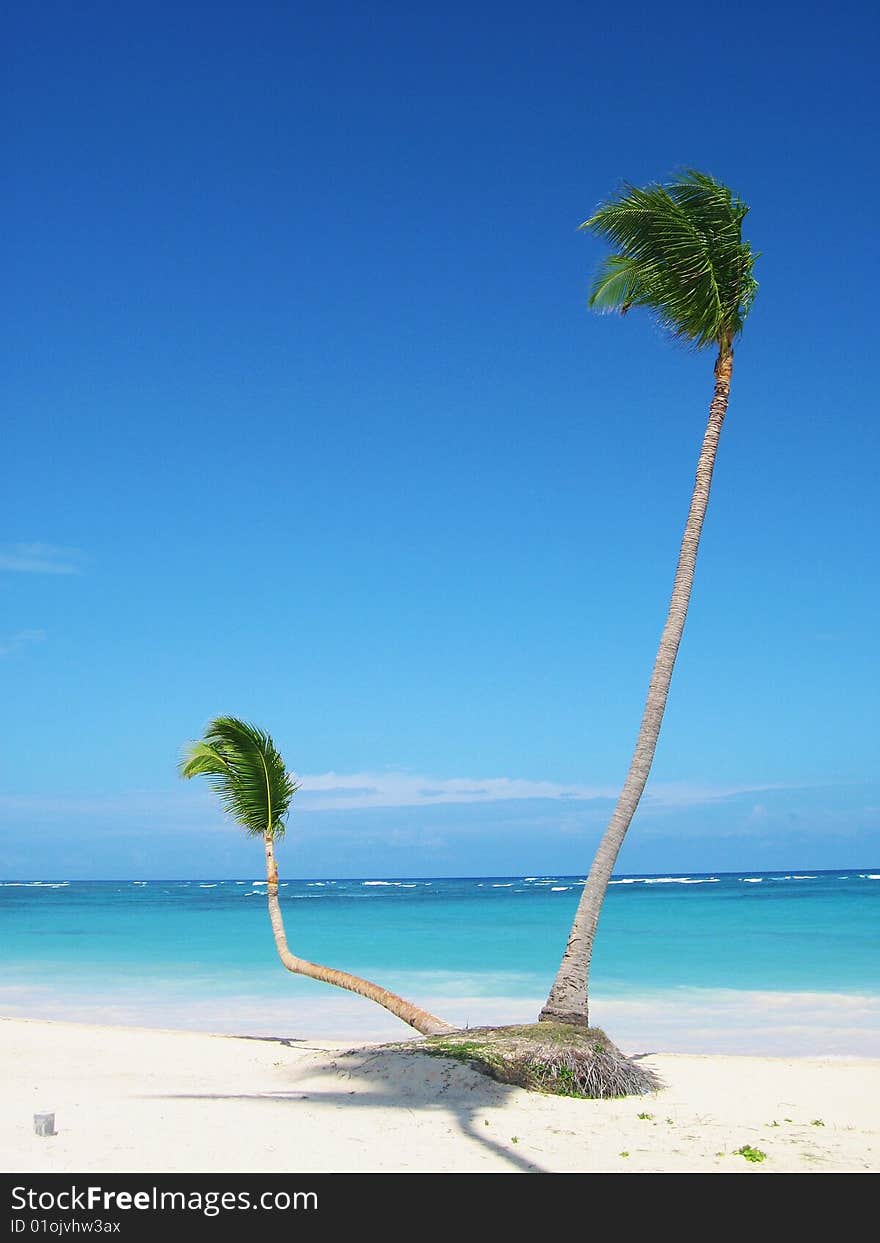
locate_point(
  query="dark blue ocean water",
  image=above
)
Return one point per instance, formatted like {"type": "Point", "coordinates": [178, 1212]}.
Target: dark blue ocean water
{"type": "Point", "coordinates": [200, 953]}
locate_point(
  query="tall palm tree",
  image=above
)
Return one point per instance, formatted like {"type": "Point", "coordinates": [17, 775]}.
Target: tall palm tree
{"type": "Point", "coordinates": [679, 252]}
{"type": "Point", "coordinates": [244, 768]}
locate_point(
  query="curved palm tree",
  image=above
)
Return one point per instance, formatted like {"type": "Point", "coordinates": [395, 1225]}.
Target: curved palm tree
{"type": "Point", "coordinates": [679, 253]}
{"type": "Point", "coordinates": [245, 769]}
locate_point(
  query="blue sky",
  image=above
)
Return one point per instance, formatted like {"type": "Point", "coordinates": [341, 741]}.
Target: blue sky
{"type": "Point", "coordinates": [306, 422]}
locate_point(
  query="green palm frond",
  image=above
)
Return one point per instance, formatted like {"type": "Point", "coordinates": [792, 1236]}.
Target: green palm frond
{"type": "Point", "coordinates": [680, 253]}
{"type": "Point", "coordinates": [617, 284]}
{"type": "Point", "coordinates": [246, 771]}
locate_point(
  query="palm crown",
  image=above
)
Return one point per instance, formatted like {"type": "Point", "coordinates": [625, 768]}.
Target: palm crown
{"type": "Point", "coordinates": [680, 253]}
{"type": "Point", "coordinates": [245, 769]}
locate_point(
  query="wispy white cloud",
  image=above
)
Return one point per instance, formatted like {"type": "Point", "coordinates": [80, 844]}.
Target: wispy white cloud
{"type": "Point", "coordinates": [701, 793]}
{"type": "Point", "coordinates": [345, 791]}
{"type": "Point", "coordinates": [164, 809]}
{"type": "Point", "coordinates": [39, 559]}
{"type": "Point", "coordinates": [23, 638]}
{"type": "Point", "coordinates": [351, 791]}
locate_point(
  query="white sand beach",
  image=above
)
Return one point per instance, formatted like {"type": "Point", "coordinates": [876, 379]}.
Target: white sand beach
{"type": "Point", "coordinates": [140, 1100]}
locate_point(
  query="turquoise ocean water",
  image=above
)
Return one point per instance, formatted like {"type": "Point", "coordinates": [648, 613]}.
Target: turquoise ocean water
{"type": "Point", "coordinates": [729, 962]}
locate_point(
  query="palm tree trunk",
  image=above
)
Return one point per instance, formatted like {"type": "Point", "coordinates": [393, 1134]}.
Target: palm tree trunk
{"type": "Point", "coordinates": [568, 1000]}
{"type": "Point", "coordinates": [421, 1020]}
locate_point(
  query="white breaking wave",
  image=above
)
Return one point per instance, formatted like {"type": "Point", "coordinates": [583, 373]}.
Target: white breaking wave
{"type": "Point", "coordinates": [681, 880]}
{"type": "Point", "coordinates": [34, 884]}
{"type": "Point", "coordinates": [751, 880]}
{"type": "Point", "coordinates": [560, 889]}
{"type": "Point", "coordinates": [663, 880]}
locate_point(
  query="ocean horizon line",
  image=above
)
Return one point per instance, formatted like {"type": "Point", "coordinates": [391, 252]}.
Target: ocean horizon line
{"type": "Point", "coordinates": [795, 872]}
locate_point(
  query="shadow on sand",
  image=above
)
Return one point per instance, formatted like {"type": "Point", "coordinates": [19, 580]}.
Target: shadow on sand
{"type": "Point", "coordinates": [396, 1078]}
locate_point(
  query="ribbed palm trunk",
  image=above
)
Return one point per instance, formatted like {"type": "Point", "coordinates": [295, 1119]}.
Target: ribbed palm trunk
{"type": "Point", "coordinates": [568, 1001]}
{"type": "Point", "coordinates": [421, 1020]}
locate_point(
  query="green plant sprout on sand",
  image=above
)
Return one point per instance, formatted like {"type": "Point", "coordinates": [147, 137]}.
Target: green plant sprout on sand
{"type": "Point", "coordinates": [751, 1154]}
